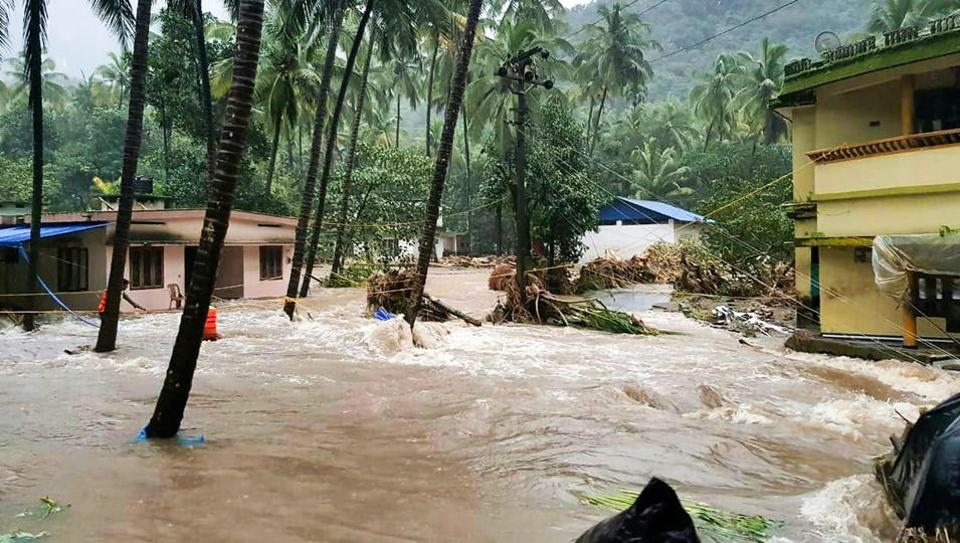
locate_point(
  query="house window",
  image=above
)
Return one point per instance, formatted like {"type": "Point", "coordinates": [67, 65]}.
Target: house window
{"type": "Point", "coordinates": [271, 262]}
{"type": "Point", "coordinates": [146, 267]}
{"type": "Point", "coordinates": [72, 265]}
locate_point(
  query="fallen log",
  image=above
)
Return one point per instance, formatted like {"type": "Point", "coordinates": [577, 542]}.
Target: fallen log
{"type": "Point", "coordinates": [451, 310]}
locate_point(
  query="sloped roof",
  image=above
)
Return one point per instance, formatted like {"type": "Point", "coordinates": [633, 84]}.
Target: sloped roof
{"type": "Point", "coordinates": [19, 234]}
{"type": "Point", "coordinates": [645, 211]}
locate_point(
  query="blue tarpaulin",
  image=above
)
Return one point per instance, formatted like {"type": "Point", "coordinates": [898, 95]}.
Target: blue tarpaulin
{"type": "Point", "coordinates": [13, 236]}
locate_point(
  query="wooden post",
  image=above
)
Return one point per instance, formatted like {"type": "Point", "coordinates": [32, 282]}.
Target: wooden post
{"type": "Point", "coordinates": [909, 318]}
{"type": "Point", "coordinates": [906, 105]}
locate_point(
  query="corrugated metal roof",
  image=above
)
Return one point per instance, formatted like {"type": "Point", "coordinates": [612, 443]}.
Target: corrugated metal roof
{"type": "Point", "coordinates": [646, 211]}
{"type": "Point", "coordinates": [15, 235]}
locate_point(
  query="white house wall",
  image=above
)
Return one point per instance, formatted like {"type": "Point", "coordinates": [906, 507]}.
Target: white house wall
{"type": "Point", "coordinates": [626, 241]}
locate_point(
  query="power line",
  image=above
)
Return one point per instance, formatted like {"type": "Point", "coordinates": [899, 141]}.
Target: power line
{"type": "Point", "coordinates": [622, 8]}
{"type": "Point", "coordinates": [716, 227]}
{"type": "Point", "coordinates": [726, 31]}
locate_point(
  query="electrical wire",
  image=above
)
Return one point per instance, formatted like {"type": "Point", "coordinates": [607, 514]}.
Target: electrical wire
{"type": "Point", "coordinates": [622, 8]}
{"type": "Point", "coordinates": [724, 32]}
{"type": "Point", "coordinates": [772, 288]}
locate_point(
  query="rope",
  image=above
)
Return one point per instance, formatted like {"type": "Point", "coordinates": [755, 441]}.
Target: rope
{"type": "Point", "coordinates": [49, 291]}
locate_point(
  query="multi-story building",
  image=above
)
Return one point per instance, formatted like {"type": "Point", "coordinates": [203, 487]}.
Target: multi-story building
{"type": "Point", "coordinates": [876, 128]}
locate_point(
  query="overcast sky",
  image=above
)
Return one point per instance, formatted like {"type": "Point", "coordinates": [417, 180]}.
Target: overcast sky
{"type": "Point", "coordinates": [78, 42]}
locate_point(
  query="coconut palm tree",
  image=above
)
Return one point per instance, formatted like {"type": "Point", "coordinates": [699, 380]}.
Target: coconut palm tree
{"type": "Point", "coordinates": [714, 99]}
{"type": "Point", "coordinates": [763, 84]}
{"type": "Point", "coordinates": [172, 402]}
{"type": "Point", "coordinates": [887, 15]}
{"type": "Point", "coordinates": [114, 13]}
{"type": "Point", "coordinates": [332, 146]}
{"type": "Point", "coordinates": [658, 171]}
{"type": "Point", "coordinates": [309, 187]}
{"type": "Point", "coordinates": [107, 337]}
{"type": "Point", "coordinates": [287, 75]}
{"type": "Point", "coordinates": [394, 31]}
{"type": "Point", "coordinates": [54, 83]}
{"type": "Point", "coordinates": [541, 13]}
{"type": "Point", "coordinates": [427, 239]}
{"type": "Point", "coordinates": [193, 10]}
{"type": "Point", "coordinates": [116, 74]}
{"type": "Point", "coordinates": [405, 73]}
{"type": "Point", "coordinates": [338, 248]}
{"type": "Point", "coordinates": [489, 98]}
{"type": "Point", "coordinates": [615, 54]}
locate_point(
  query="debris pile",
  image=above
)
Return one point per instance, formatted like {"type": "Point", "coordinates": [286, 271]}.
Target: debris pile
{"type": "Point", "coordinates": [392, 291]}
{"type": "Point", "coordinates": [456, 261]}
{"type": "Point", "coordinates": [690, 268]}
{"type": "Point", "coordinates": [543, 307]}
{"type": "Point", "coordinates": [748, 323]}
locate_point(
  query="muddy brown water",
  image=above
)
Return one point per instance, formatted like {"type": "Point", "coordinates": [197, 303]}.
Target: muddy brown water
{"type": "Point", "coordinates": [335, 428]}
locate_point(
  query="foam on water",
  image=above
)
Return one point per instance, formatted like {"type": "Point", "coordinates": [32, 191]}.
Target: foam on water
{"type": "Point", "coordinates": [849, 510]}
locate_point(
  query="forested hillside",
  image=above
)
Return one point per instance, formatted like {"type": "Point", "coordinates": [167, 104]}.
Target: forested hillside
{"type": "Point", "coordinates": [680, 23]}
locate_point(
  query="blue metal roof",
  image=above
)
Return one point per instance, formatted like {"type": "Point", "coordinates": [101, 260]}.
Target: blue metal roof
{"type": "Point", "coordinates": [12, 236]}
{"type": "Point", "coordinates": [644, 212]}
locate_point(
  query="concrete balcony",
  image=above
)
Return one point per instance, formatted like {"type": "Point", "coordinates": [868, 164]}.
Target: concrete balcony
{"type": "Point", "coordinates": [903, 185]}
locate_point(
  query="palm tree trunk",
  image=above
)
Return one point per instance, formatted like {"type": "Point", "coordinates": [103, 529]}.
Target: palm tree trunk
{"type": "Point", "coordinates": [183, 361]}
{"type": "Point", "coordinates": [203, 65]}
{"type": "Point", "coordinates": [433, 69]}
{"type": "Point", "coordinates": [107, 338]}
{"type": "Point", "coordinates": [428, 238]}
{"type": "Point", "coordinates": [332, 148]}
{"type": "Point", "coordinates": [398, 116]}
{"type": "Point", "coordinates": [593, 104]}
{"type": "Point", "coordinates": [309, 186]}
{"type": "Point", "coordinates": [36, 13]}
{"type": "Point", "coordinates": [274, 148]}
{"type": "Point", "coordinates": [351, 160]}
{"type": "Point", "coordinates": [596, 125]}
{"type": "Point", "coordinates": [498, 230]}
{"type": "Point", "coordinates": [706, 141]}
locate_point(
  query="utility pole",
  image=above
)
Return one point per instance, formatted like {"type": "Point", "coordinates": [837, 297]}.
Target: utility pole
{"type": "Point", "coordinates": [520, 70]}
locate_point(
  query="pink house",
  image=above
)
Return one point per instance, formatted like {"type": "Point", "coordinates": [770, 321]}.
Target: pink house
{"type": "Point", "coordinates": [77, 247]}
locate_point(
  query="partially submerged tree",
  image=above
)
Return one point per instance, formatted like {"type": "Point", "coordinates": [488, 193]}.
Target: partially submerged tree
{"type": "Point", "coordinates": [107, 337]}
{"type": "Point", "coordinates": [443, 158]}
{"type": "Point", "coordinates": [309, 186]}
{"type": "Point", "coordinates": [172, 402]}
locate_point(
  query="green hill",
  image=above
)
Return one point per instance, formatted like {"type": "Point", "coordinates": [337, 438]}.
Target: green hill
{"type": "Point", "coordinates": [679, 23]}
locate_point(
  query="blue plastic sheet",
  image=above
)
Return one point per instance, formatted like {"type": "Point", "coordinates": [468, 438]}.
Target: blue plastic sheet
{"type": "Point", "coordinates": [182, 440]}
{"type": "Point", "coordinates": [382, 314]}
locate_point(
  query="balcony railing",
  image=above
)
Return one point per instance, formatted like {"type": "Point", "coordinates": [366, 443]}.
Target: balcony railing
{"type": "Point", "coordinates": [891, 145]}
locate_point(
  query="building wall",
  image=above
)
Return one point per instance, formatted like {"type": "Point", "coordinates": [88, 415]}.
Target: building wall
{"type": "Point", "coordinates": [253, 287]}
{"type": "Point", "coordinates": [917, 214]}
{"type": "Point", "coordinates": [857, 116]}
{"type": "Point", "coordinates": [851, 303]}
{"type": "Point", "coordinates": [920, 168]}
{"type": "Point", "coordinates": [240, 264]}
{"type": "Point", "coordinates": [626, 241]}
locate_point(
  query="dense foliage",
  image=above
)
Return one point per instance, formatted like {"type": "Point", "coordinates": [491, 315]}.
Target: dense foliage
{"type": "Point", "coordinates": [694, 128]}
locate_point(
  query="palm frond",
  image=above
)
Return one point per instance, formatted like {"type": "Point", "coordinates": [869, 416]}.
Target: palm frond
{"type": "Point", "coordinates": [117, 15]}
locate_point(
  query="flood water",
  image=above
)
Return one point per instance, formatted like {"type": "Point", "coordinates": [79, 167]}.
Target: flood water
{"type": "Point", "coordinates": [335, 428]}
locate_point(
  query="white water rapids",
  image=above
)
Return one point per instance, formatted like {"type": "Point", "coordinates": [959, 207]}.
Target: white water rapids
{"type": "Point", "coordinates": [336, 428]}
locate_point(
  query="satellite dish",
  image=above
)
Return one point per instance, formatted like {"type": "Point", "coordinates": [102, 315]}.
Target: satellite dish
{"type": "Point", "coordinates": [826, 41]}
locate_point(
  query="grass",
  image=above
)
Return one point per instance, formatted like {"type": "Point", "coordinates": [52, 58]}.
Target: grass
{"type": "Point", "coordinates": [712, 524]}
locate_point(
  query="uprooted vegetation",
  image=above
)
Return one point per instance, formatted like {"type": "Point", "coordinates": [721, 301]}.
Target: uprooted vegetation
{"type": "Point", "coordinates": [690, 268]}
{"type": "Point", "coordinates": [543, 307]}
{"type": "Point", "coordinates": [392, 291]}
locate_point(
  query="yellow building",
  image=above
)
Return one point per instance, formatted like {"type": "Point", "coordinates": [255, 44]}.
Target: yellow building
{"type": "Point", "coordinates": [876, 128]}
